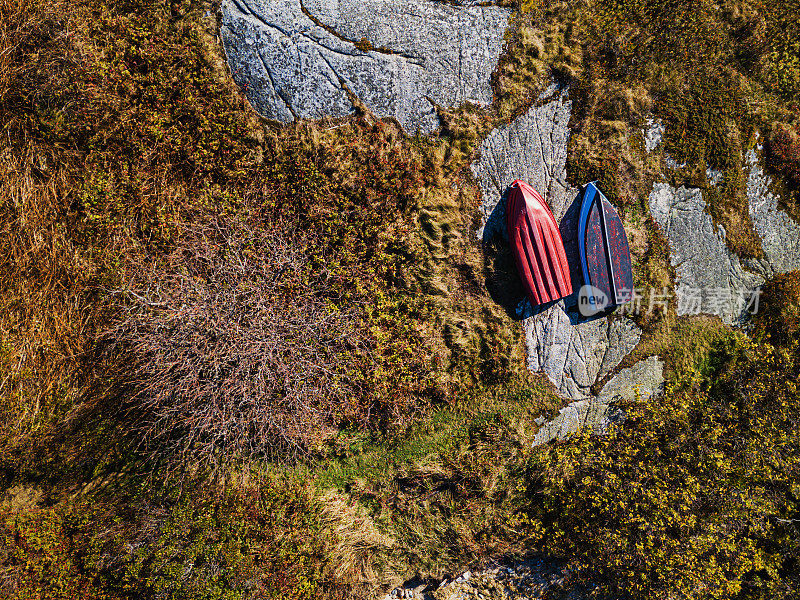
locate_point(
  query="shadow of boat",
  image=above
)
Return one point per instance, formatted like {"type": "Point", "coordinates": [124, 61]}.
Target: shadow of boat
{"type": "Point", "coordinates": [500, 270]}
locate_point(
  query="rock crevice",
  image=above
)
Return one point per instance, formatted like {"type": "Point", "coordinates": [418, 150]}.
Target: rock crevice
{"type": "Point", "coordinates": [299, 60]}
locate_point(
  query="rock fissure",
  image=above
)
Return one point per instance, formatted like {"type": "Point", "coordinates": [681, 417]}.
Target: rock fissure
{"type": "Point", "coordinates": [383, 50]}
{"type": "Point", "coordinates": [442, 52]}
{"type": "Point", "coordinates": [277, 92]}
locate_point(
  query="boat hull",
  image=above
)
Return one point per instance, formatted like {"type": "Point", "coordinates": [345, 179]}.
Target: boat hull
{"type": "Point", "coordinates": [604, 251]}
{"type": "Point", "coordinates": [537, 246]}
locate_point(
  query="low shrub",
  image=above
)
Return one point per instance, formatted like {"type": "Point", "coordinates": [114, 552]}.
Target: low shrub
{"type": "Point", "coordinates": [778, 317]}
{"type": "Point", "coordinates": [695, 496]}
{"type": "Point", "coordinates": [265, 540]}
{"type": "Point", "coordinates": [233, 346]}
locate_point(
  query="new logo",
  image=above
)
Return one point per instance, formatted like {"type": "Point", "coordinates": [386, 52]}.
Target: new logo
{"type": "Point", "coordinates": [591, 300]}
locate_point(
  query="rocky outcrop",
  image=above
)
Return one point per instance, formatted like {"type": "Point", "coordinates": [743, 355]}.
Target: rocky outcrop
{"type": "Point", "coordinates": [297, 59]}
{"type": "Point", "coordinates": [575, 353]}
{"type": "Point", "coordinates": [780, 235]}
{"type": "Point", "coordinates": [653, 134]}
{"type": "Point", "coordinates": [533, 147]}
{"type": "Point", "coordinates": [709, 278]}
{"type": "Point", "coordinates": [530, 579]}
{"type": "Point", "coordinates": [640, 382]}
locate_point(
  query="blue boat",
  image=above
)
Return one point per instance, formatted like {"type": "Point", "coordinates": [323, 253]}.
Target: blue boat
{"type": "Point", "coordinates": [604, 251]}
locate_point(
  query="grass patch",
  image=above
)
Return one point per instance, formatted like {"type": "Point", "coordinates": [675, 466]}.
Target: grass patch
{"type": "Point", "coordinates": [706, 70]}
{"type": "Point", "coordinates": [441, 434]}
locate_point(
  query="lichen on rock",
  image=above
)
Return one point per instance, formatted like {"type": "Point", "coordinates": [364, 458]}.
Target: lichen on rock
{"type": "Point", "coordinates": [296, 60]}
{"type": "Point", "coordinates": [709, 278]}
{"type": "Point", "coordinates": [780, 235]}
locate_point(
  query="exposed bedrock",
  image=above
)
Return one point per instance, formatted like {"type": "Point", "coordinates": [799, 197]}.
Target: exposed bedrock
{"type": "Point", "coordinates": [709, 278]}
{"type": "Point", "coordinates": [533, 148]}
{"type": "Point", "coordinates": [297, 59]}
{"type": "Point", "coordinates": [640, 382]}
{"type": "Point", "coordinates": [572, 351]}
{"type": "Point", "coordinates": [780, 235]}
{"type": "Point", "coordinates": [575, 353]}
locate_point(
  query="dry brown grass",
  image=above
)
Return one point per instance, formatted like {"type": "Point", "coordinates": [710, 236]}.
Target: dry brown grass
{"type": "Point", "coordinates": [231, 352]}
{"type": "Point", "coordinates": [48, 273]}
{"type": "Point", "coordinates": [45, 278]}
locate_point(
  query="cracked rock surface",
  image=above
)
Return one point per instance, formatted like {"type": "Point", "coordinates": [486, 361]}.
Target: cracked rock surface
{"type": "Point", "coordinates": [574, 353]}
{"type": "Point", "coordinates": [640, 382]}
{"type": "Point", "coordinates": [294, 59]}
{"type": "Point", "coordinates": [709, 278]}
{"type": "Point", "coordinates": [780, 235]}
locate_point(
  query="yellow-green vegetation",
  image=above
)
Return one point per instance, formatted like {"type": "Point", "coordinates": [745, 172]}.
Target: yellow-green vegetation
{"type": "Point", "coordinates": [263, 539]}
{"type": "Point", "coordinates": [709, 70]}
{"type": "Point", "coordinates": [696, 495]}
{"type": "Point", "coordinates": [778, 317]}
{"type": "Point", "coordinates": [144, 208]}
{"type": "Point", "coordinates": [783, 159]}
{"type": "Point", "coordinates": [543, 42]}
{"type": "Point", "coordinates": [243, 361]}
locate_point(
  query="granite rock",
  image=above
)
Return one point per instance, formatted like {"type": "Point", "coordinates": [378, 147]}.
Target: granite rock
{"type": "Point", "coordinates": [709, 278]}
{"type": "Point", "coordinates": [653, 134]}
{"type": "Point", "coordinates": [572, 351]}
{"type": "Point", "coordinates": [575, 353]}
{"type": "Point", "coordinates": [533, 148]}
{"type": "Point", "coordinates": [534, 578]}
{"type": "Point", "coordinates": [640, 382]}
{"type": "Point", "coordinates": [303, 60]}
{"type": "Point", "coordinates": [780, 235]}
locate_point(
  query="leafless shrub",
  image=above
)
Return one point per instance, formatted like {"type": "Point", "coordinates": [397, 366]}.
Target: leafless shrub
{"type": "Point", "coordinates": [237, 350]}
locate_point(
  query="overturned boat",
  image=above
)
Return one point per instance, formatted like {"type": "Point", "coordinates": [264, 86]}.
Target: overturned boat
{"type": "Point", "coordinates": [605, 255]}
{"type": "Point", "coordinates": [537, 246]}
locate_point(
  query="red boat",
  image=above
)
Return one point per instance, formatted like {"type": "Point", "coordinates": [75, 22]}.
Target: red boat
{"type": "Point", "coordinates": [537, 246]}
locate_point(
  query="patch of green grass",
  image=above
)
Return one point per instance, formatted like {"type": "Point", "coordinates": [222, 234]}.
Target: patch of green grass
{"type": "Point", "coordinates": [441, 434]}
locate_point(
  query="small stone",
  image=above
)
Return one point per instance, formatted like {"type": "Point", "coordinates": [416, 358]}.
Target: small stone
{"type": "Point", "coordinates": [653, 134]}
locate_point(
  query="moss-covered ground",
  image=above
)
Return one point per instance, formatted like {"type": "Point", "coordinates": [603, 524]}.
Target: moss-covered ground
{"type": "Point", "coordinates": [135, 181]}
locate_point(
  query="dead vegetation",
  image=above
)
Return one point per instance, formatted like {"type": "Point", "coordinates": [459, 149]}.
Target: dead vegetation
{"type": "Point", "coordinates": [234, 347]}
